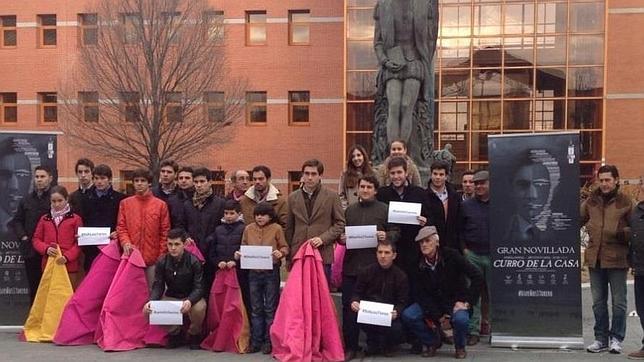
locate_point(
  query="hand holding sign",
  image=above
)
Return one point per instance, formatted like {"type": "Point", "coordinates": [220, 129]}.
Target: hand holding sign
{"type": "Point", "coordinates": [93, 236]}
{"type": "Point", "coordinates": [404, 212]}
{"type": "Point", "coordinates": [378, 314]}
{"type": "Point", "coordinates": [256, 257]}
{"type": "Point", "coordinates": [166, 313]}
{"type": "Point", "coordinates": [361, 237]}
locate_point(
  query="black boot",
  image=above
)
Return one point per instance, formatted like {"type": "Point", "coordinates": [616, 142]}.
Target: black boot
{"type": "Point", "coordinates": [174, 341]}
{"type": "Point", "coordinates": [195, 341]}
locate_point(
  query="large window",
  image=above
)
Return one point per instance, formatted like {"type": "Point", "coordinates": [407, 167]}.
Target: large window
{"type": "Point", "coordinates": [174, 107]}
{"type": "Point", "coordinates": [215, 107]}
{"type": "Point", "coordinates": [88, 29]}
{"type": "Point", "coordinates": [48, 102]}
{"type": "Point", "coordinates": [9, 107]}
{"type": "Point", "coordinates": [256, 108]}
{"type": "Point", "coordinates": [298, 27]}
{"type": "Point", "coordinates": [215, 21]}
{"type": "Point", "coordinates": [256, 28]}
{"type": "Point", "coordinates": [500, 67]}
{"type": "Point", "coordinates": [131, 27]}
{"type": "Point", "coordinates": [8, 31]}
{"type": "Point", "coordinates": [89, 106]}
{"type": "Point", "coordinates": [131, 106]}
{"type": "Point", "coordinates": [298, 107]}
{"type": "Point", "coordinates": [47, 30]}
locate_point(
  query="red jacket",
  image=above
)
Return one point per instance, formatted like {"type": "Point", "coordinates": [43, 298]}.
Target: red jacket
{"type": "Point", "coordinates": [47, 234]}
{"type": "Point", "coordinates": [144, 222]}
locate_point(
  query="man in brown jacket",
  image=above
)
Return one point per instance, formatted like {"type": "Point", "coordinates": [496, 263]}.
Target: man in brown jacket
{"type": "Point", "coordinates": [263, 190]}
{"type": "Point", "coordinates": [606, 216]}
{"type": "Point", "coordinates": [315, 215]}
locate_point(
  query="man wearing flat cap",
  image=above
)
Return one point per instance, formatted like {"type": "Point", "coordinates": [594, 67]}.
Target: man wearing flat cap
{"type": "Point", "coordinates": [475, 243]}
{"type": "Point", "coordinates": [447, 286]}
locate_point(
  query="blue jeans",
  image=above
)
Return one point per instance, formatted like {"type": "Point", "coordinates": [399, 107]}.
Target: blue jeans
{"type": "Point", "coordinates": [264, 294]}
{"type": "Point", "coordinates": [600, 280]}
{"type": "Point", "coordinates": [413, 318]}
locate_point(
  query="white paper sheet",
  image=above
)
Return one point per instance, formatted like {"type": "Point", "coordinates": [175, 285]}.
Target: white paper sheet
{"type": "Point", "coordinates": [404, 212]}
{"type": "Point", "coordinates": [361, 237]}
{"type": "Point", "coordinates": [256, 257]}
{"type": "Point", "coordinates": [378, 314]}
{"type": "Point", "coordinates": [166, 313]}
{"type": "Point", "coordinates": [93, 236]}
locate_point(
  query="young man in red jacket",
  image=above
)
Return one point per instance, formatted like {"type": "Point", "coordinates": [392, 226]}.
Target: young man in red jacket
{"type": "Point", "coordinates": [143, 222]}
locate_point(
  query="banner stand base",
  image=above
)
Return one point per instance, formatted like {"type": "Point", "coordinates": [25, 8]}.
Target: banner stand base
{"type": "Point", "coordinates": [537, 342]}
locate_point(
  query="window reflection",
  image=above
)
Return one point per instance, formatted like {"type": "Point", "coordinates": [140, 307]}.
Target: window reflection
{"type": "Point", "coordinates": [456, 84]}
{"type": "Point", "coordinates": [586, 82]}
{"type": "Point", "coordinates": [519, 52]}
{"type": "Point", "coordinates": [486, 115]}
{"type": "Point", "coordinates": [360, 116]}
{"type": "Point", "coordinates": [360, 55]}
{"type": "Point", "coordinates": [586, 17]}
{"type": "Point", "coordinates": [518, 83]}
{"type": "Point", "coordinates": [519, 18]}
{"type": "Point", "coordinates": [517, 115]}
{"type": "Point", "coordinates": [551, 50]}
{"type": "Point", "coordinates": [487, 20]}
{"type": "Point", "coordinates": [455, 21]}
{"type": "Point", "coordinates": [455, 53]}
{"type": "Point", "coordinates": [454, 116]}
{"type": "Point", "coordinates": [361, 85]}
{"type": "Point", "coordinates": [551, 18]}
{"type": "Point", "coordinates": [549, 115]}
{"type": "Point", "coordinates": [584, 114]}
{"type": "Point", "coordinates": [360, 24]}
{"type": "Point", "coordinates": [550, 82]}
{"type": "Point", "coordinates": [486, 83]}
{"type": "Point", "coordinates": [586, 49]}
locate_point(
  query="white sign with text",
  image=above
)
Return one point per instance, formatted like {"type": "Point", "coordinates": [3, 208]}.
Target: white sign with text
{"type": "Point", "coordinates": [166, 313]}
{"type": "Point", "coordinates": [361, 237]}
{"type": "Point", "coordinates": [256, 257]}
{"type": "Point", "coordinates": [374, 313]}
{"type": "Point", "coordinates": [93, 236]}
{"type": "Point", "coordinates": [404, 212]}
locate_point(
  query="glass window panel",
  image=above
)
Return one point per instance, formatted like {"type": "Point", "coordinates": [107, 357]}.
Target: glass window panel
{"type": "Point", "coordinates": [487, 19]}
{"type": "Point", "coordinates": [256, 97]}
{"type": "Point", "coordinates": [10, 38]}
{"type": "Point", "coordinates": [364, 139]}
{"type": "Point", "coordinates": [49, 37]}
{"type": "Point", "coordinates": [258, 114]}
{"type": "Point", "coordinates": [517, 115]}
{"type": "Point", "coordinates": [454, 116]}
{"type": "Point", "coordinates": [257, 34]}
{"type": "Point", "coordinates": [519, 18]}
{"type": "Point", "coordinates": [587, 17]}
{"type": "Point", "coordinates": [487, 52]}
{"type": "Point", "coordinates": [360, 24]}
{"type": "Point", "coordinates": [49, 98]}
{"type": "Point", "coordinates": [456, 21]}
{"type": "Point", "coordinates": [216, 114]}
{"type": "Point", "coordinates": [551, 50]}
{"type": "Point", "coordinates": [459, 142]}
{"type": "Point", "coordinates": [456, 84]}
{"type": "Point", "coordinates": [585, 82]}
{"type": "Point", "coordinates": [48, 20]}
{"type": "Point", "coordinates": [549, 114]}
{"type": "Point", "coordinates": [552, 17]}
{"type": "Point", "coordinates": [90, 113]}
{"type": "Point", "coordinates": [300, 33]}
{"type": "Point", "coordinates": [299, 96]}
{"type": "Point", "coordinates": [590, 145]}
{"type": "Point", "coordinates": [455, 53]}
{"type": "Point", "coordinates": [361, 85]}
{"type": "Point", "coordinates": [11, 114]}
{"type": "Point", "coordinates": [551, 82]}
{"type": "Point", "coordinates": [519, 52]}
{"type": "Point", "coordinates": [360, 116]}
{"type": "Point", "coordinates": [361, 55]}
{"type": "Point", "coordinates": [585, 114]}
{"type": "Point", "coordinates": [9, 97]}
{"type": "Point", "coordinates": [50, 113]}
{"type": "Point", "coordinates": [8, 20]}
{"type": "Point", "coordinates": [486, 115]}
{"type": "Point", "coordinates": [586, 50]}
{"type": "Point", "coordinates": [486, 83]}
{"type": "Point", "coordinates": [214, 97]}
{"type": "Point", "coordinates": [301, 114]}
{"type": "Point", "coordinates": [479, 146]}
{"type": "Point", "coordinates": [518, 83]}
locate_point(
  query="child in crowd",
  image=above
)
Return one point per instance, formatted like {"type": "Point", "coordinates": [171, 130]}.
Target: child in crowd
{"type": "Point", "coordinates": [225, 241]}
{"type": "Point", "coordinates": [264, 284]}
{"type": "Point", "coordinates": [59, 228]}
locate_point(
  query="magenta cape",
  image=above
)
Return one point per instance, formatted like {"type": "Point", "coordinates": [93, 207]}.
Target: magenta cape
{"type": "Point", "coordinates": [122, 325]}
{"type": "Point", "coordinates": [194, 250]}
{"type": "Point", "coordinates": [227, 322]}
{"type": "Point", "coordinates": [80, 316]}
{"type": "Point", "coordinates": [306, 325]}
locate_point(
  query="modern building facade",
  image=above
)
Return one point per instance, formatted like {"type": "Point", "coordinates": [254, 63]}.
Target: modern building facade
{"type": "Point", "coordinates": [502, 66]}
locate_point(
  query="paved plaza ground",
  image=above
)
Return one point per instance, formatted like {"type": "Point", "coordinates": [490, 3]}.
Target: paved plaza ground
{"type": "Point", "coordinates": [13, 350]}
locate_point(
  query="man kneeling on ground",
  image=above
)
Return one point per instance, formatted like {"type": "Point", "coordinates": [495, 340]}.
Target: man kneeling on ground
{"type": "Point", "coordinates": [442, 294]}
{"type": "Point", "coordinates": [382, 282]}
{"type": "Point", "coordinates": [179, 277]}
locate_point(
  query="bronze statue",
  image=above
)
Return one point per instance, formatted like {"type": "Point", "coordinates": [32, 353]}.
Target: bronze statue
{"type": "Point", "coordinates": [405, 42]}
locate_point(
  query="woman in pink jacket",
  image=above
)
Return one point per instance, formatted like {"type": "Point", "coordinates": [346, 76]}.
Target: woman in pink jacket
{"type": "Point", "coordinates": [59, 228]}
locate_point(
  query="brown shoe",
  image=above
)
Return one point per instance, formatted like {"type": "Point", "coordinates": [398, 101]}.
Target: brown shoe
{"type": "Point", "coordinates": [430, 351]}
{"type": "Point", "coordinates": [460, 353]}
{"type": "Point", "coordinates": [473, 340]}
{"type": "Point", "coordinates": [637, 354]}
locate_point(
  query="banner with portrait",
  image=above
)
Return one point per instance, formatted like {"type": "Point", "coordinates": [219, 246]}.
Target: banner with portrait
{"type": "Point", "coordinates": [20, 153]}
{"type": "Point", "coordinates": [535, 286]}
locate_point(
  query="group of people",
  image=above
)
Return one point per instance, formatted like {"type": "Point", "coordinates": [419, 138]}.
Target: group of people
{"type": "Point", "coordinates": [434, 273]}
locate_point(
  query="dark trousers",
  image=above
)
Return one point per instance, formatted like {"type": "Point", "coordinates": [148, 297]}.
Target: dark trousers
{"type": "Point", "coordinates": [33, 269]}
{"type": "Point", "coordinates": [242, 278]}
{"type": "Point", "coordinates": [379, 337]}
{"type": "Point", "coordinates": [639, 299]}
{"type": "Point", "coordinates": [90, 252]}
{"type": "Point", "coordinates": [264, 294]}
{"type": "Point", "coordinates": [350, 329]}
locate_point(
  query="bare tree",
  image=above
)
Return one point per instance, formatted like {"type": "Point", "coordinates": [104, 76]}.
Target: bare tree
{"type": "Point", "coordinates": [151, 82]}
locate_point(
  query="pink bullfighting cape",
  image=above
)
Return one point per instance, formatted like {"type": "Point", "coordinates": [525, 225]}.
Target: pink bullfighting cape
{"type": "Point", "coordinates": [122, 326]}
{"type": "Point", "coordinates": [306, 325]}
{"type": "Point", "coordinates": [228, 328]}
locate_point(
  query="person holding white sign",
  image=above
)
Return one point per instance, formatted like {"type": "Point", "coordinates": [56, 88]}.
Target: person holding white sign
{"type": "Point", "coordinates": [446, 286]}
{"type": "Point", "coordinates": [367, 211]}
{"type": "Point", "coordinates": [401, 190]}
{"type": "Point", "coordinates": [382, 282]}
{"type": "Point", "coordinates": [264, 284]}
{"type": "Point", "coordinates": [179, 277]}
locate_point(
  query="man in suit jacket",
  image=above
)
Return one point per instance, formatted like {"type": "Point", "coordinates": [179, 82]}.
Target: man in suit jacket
{"type": "Point", "coordinates": [315, 215]}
